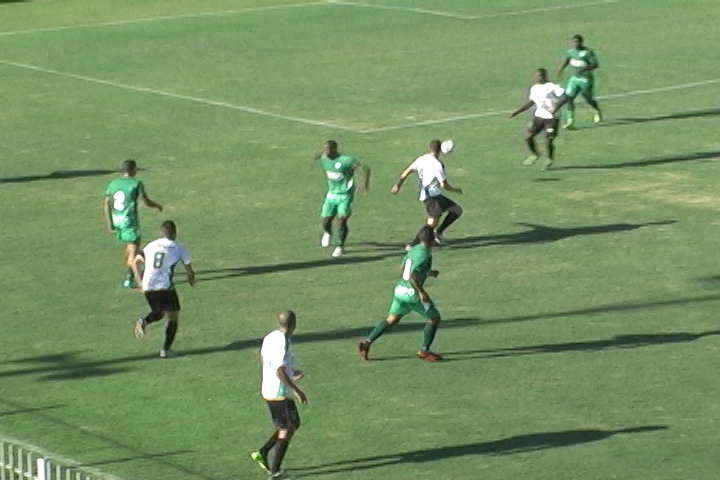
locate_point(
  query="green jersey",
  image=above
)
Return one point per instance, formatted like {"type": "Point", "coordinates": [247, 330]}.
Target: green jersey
{"type": "Point", "coordinates": [339, 172]}
{"type": "Point", "coordinates": [417, 262]}
{"type": "Point", "coordinates": [124, 192]}
{"type": "Point", "coordinates": [581, 58]}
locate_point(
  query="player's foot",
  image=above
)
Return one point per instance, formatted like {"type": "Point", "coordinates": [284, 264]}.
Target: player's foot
{"type": "Point", "coordinates": [325, 240]}
{"type": "Point", "coordinates": [128, 283]}
{"type": "Point", "coordinates": [598, 117]}
{"type": "Point", "coordinates": [363, 349]}
{"type": "Point", "coordinates": [547, 164]}
{"type": "Point", "coordinates": [429, 356]}
{"type": "Point", "coordinates": [440, 238]}
{"type": "Point", "coordinates": [338, 252]}
{"type": "Point", "coordinates": [280, 475]}
{"type": "Point", "coordinates": [167, 354]}
{"type": "Point", "coordinates": [140, 328]}
{"type": "Point", "coordinates": [530, 160]}
{"type": "Point", "coordinates": [569, 125]}
{"type": "Point", "coordinates": [260, 460]}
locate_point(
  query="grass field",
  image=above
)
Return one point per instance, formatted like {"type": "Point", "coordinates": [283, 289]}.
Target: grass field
{"type": "Point", "coordinates": [580, 304]}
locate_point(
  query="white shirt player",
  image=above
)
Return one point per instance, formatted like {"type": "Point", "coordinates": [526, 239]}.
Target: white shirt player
{"type": "Point", "coordinates": [275, 352]}
{"type": "Point", "coordinates": [161, 256]}
{"type": "Point", "coordinates": [545, 96]}
{"type": "Point", "coordinates": [431, 175]}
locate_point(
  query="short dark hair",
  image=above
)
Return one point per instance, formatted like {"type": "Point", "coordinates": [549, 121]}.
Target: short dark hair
{"type": "Point", "coordinates": [286, 319]}
{"type": "Point", "coordinates": [331, 144]}
{"type": "Point", "coordinates": [168, 228]}
{"type": "Point", "coordinates": [435, 145]}
{"type": "Point", "coordinates": [578, 37]}
{"type": "Point", "coordinates": [426, 234]}
{"type": "Point", "coordinates": [542, 71]}
{"type": "Point", "coordinates": [128, 165]}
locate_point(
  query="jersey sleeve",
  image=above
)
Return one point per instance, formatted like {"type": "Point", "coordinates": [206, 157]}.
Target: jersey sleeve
{"type": "Point", "coordinates": [415, 165]}
{"type": "Point", "coordinates": [530, 94]}
{"type": "Point", "coordinates": [109, 190]}
{"type": "Point", "coordinates": [184, 256]}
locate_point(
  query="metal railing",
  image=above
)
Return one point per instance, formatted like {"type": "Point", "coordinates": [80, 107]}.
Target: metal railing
{"type": "Point", "coordinates": [19, 463]}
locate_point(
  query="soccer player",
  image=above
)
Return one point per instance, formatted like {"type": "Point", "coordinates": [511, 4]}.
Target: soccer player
{"type": "Point", "coordinates": [544, 95]}
{"type": "Point", "coordinates": [279, 389]}
{"type": "Point", "coordinates": [410, 296]}
{"type": "Point", "coordinates": [160, 258]}
{"type": "Point", "coordinates": [339, 170]}
{"type": "Point", "coordinates": [121, 214]}
{"type": "Point", "coordinates": [431, 181]}
{"type": "Point", "coordinates": [583, 63]}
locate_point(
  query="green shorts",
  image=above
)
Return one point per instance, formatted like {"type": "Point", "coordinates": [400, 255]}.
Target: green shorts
{"type": "Point", "coordinates": [336, 206]}
{"type": "Point", "coordinates": [402, 306]}
{"type": "Point", "coordinates": [579, 85]}
{"type": "Point", "coordinates": [128, 235]}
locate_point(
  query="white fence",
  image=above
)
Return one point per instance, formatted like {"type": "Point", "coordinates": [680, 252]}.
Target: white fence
{"type": "Point", "coordinates": [18, 463]}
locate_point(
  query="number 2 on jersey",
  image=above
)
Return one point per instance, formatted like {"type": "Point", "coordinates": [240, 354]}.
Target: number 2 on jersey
{"type": "Point", "coordinates": [118, 200]}
{"type": "Point", "coordinates": [158, 259]}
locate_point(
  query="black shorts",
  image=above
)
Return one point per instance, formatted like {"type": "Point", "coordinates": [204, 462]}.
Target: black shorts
{"type": "Point", "coordinates": [163, 300]}
{"type": "Point", "coordinates": [550, 125]}
{"type": "Point", "coordinates": [436, 206]}
{"type": "Point", "coordinates": [284, 414]}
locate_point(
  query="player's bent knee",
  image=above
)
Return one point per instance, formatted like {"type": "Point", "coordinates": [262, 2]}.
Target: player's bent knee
{"type": "Point", "coordinates": [456, 209]}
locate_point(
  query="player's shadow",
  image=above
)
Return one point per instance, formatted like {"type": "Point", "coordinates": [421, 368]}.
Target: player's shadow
{"type": "Point", "coordinates": [24, 410]}
{"type": "Point", "coordinates": [516, 444]}
{"type": "Point", "coordinates": [59, 175]}
{"type": "Point", "coordinates": [536, 233]}
{"type": "Point", "coordinates": [688, 157]}
{"type": "Point", "coordinates": [710, 112]}
{"type": "Point", "coordinates": [619, 342]}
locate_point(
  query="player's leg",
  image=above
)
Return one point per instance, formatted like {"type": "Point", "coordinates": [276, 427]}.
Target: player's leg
{"type": "Point", "coordinates": [131, 238]}
{"type": "Point", "coordinates": [551, 132]}
{"type": "Point", "coordinates": [432, 315]}
{"type": "Point", "coordinates": [284, 435]}
{"type": "Point", "coordinates": [532, 131]}
{"type": "Point", "coordinates": [573, 88]}
{"type": "Point", "coordinates": [327, 215]}
{"type": "Point", "coordinates": [398, 309]}
{"type": "Point", "coordinates": [343, 215]}
{"type": "Point", "coordinates": [589, 97]}
{"type": "Point", "coordinates": [171, 306]}
{"type": "Point", "coordinates": [156, 313]}
{"type": "Point", "coordinates": [433, 210]}
{"type": "Point", "coordinates": [454, 211]}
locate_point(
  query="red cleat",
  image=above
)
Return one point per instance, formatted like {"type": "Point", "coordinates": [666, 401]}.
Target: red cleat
{"type": "Point", "coordinates": [429, 356]}
{"type": "Point", "coordinates": [363, 348]}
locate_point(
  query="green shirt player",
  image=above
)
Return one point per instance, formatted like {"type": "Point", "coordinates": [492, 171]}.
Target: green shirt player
{"type": "Point", "coordinates": [339, 171]}
{"type": "Point", "coordinates": [121, 213]}
{"type": "Point", "coordinates": [410, 296]}
{"type": "Point", "coordinates": [583, 62]}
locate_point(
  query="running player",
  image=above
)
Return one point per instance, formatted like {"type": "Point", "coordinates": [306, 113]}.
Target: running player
{"type": "Point", "coordinates": [160, 257]}
{"type": "Point", "coordinates": [121, 215]}
{"type": "Point", "coordinates": [339, 170]}
{"type": "Point", "coordinates": [431, 181]}
{"type": "Point", "coordinates": [583, 63]}
{"type": "Point", "coordinates": [544, 95]}
{"type": "Point", "coordinates": [410, 296]}
{"type": "Point", "coordinates": [279, 390]}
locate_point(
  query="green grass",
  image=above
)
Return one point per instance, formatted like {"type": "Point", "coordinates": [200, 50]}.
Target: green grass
{"type": "Point", "coordinates": [580, 304]}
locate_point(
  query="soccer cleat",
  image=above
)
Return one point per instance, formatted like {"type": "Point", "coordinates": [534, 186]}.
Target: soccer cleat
{"type": "Point", "coordinates": [598, 117]}
{"type": "Point", "coordinates": [140, 328]}
{"type": "Point", "coordinates": [530, 160]}
{"type": "Point", "coordinates": [167, 354]}
{"type": "Point", "coordinates": [569, 125]}
{"type": "Point", "coordinates": [429, 356]}
{"type": "Point", "coordinates": [128, 283]}
{"type": "Point", "coordinates": [440, 238]}
{"type": "Point", "coordinates": [338, 251]}
{"type": "Point", "coordinates": [325, 240]}
{"type": "Point", "coordinates": [280, 475]}
{"type": "Point", "coordinates": [363, 349]}
{"type": "Point", "coordinates": [260, 460]}
{"type": "Point", "coordinates": [547, 164]}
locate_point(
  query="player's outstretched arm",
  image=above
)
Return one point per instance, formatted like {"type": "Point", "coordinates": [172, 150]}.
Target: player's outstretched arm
{"type": "Point", "coordinates": [107, 212]}
{"type": "Point", "coordinates": [190, 274]}
{"type": "Point", "coordinates": [135, 267]}
{"type": "Point", "coordinates": [526, 106]}
{"type": "Point", "coordinates": [146, 200]}
{"type": "Point", "coordinates": [446, 186]}
{"type": "Point", "coordinates": [289, 382]}
{"type": "Point", "coordinates": [403, 176]}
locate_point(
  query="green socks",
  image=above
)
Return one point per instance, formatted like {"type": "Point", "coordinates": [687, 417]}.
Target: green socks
{"type": "Point", "coordinates": [429, 335]}
{"type": "Point", "coordinates": [569, 113]}
{"type": "Point", "coordinates": [378, 331]}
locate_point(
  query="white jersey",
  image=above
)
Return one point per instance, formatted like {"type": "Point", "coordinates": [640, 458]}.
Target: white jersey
{"type": "Point", "coordinates": [275, 352]}
{"type": "Point", "coordinates": [431, 175]}
{"type": "Point", "coordinates": [545, 96]}
{"type": "Point", "coordinates": [161, 256]}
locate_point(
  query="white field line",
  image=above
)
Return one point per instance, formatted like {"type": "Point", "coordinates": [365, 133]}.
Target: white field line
{"type": "Point", "coordinates": [460, 16]}
{"type": "Point", "coordinates": [163, 18]}
{"type": "Point", "coordinates": [493, 113]}
{"type": "Point", "coordinates": [68, 462]}
{"type": "Point", "coordinates": [188, 98]}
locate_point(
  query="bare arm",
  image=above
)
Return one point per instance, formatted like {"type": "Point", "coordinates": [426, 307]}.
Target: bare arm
{"type": "Point", "coordinates": [403, 176]}
{"type": "Point", "coordinates": [190, 274]}
{"type": "Point", "coordinates": [365, 172]}
{"type": "Point", "coordinates": [424, 297]}
{"type": "Point", "coordinates": [149, 203]}
{"type": "Point", "coordinates": [107, 212]}
{"type": "Point", "coordinates": [134, 266]}
{"type": "Point", "coordinates": [564, 65]}
{"type": "Point", "coordinates": [526, 106]}
{"type": "Point", "coordinates": [446, 186]}
{"type": "Point", "coordinates": [290, 383]}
